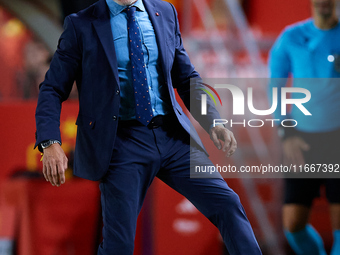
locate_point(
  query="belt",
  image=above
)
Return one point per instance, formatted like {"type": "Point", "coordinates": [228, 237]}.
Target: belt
{"type": "Point", "coordinates": [156, 122]}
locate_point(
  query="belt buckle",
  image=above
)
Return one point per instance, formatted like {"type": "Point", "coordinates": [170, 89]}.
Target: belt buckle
{"type": "Point", "coordinates": [156, 122]}
{"type": "Point", "coordinates": [152, 125]}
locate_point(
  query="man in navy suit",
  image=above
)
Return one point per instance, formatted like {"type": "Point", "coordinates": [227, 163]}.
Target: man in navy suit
{"type": "Point", "coordinates": [127, 57]}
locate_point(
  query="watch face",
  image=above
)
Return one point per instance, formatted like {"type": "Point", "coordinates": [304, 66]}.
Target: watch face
{"type": "Point", "coordinates": [46, 144]}
{"type": "Point", "coordinates": [43, 145]}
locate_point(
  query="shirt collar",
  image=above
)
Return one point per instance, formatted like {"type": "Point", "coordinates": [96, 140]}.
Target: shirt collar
{"type": "Point", "coordinates": [117, 8]}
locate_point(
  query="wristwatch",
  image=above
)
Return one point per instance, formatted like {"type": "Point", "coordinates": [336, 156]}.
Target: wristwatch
{"type": "Point", "coordinates": [48, 143]}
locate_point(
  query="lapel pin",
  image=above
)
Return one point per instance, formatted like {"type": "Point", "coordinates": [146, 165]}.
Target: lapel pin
{"type": "Point", "coordinates": [157, 14]}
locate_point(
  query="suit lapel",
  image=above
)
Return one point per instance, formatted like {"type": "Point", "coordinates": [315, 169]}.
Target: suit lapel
{"type": "Point", "coordinates": [156, 18]}
{"type": "Point", "coordinates": [104, 31]}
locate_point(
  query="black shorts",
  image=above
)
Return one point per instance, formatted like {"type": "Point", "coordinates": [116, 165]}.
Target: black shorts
{"type": "Point", "coordinates": [324, 149]}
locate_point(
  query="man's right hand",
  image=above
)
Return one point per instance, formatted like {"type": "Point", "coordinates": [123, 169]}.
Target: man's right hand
{"type": "Point", "coordinates": [293, 148]}
{"type": "Point", "coordinates": [54, 164]}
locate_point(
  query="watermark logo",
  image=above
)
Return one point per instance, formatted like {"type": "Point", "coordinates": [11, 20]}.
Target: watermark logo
{"type": "Point", "coordinates": [238, 99]}
{"type": "Point", "coordinates": [204, 98]}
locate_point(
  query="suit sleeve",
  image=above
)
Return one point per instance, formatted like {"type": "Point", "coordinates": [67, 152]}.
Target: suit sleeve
{"type": "Point", "coordinates": [279, 69]}
{"type": "Point", "coordinates": [188, 83]}
{"type": "Point", "coordinates": [57, 85]}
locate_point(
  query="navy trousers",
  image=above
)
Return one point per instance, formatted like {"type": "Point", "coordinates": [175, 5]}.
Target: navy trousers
{"type": "Point", "coordinates": [140, 154]}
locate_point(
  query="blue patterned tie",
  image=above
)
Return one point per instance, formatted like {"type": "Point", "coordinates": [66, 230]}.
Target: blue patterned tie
{"type": "Point", "coordinates": [139, 80]}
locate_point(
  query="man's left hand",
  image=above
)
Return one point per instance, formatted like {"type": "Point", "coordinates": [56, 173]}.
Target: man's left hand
{"type": "Point", "coordinates": [219, 133]}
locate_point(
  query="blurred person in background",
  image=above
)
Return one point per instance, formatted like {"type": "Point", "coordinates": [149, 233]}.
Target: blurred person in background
{"type": "Point", "coordinates": [311, 49]}
{"type": "Point", "coordinates": [36, 63]}
{"type": "Point", "coordinates": [13, 38]}
{"type": "Point", "coordinates": [125, 54]}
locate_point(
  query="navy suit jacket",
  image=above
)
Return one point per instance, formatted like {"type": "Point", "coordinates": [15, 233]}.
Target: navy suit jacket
{"type": "Point", "coordinates": [86, 54]}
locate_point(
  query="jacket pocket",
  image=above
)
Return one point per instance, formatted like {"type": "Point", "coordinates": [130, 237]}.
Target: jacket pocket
{"type": "Point", "coordinates": [85, 122]}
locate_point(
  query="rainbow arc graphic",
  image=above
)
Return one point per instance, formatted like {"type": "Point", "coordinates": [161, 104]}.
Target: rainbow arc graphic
{"type": "Point", "coordinates": [210, 94]}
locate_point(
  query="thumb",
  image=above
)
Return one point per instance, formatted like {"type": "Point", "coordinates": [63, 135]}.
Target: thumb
{"type": "Point", "coordinates": [215, 139]}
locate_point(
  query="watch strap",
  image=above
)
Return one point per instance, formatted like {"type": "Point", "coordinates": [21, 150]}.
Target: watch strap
{"type": "Point", "coordinates": [48, 143]}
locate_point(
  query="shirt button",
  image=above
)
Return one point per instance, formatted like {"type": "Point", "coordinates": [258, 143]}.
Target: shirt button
{"type": "Point", "coordinates": [149, 87]}
{"type": "Point", "coordinates": [114, 117]}
{"type": "Point", "coordinates": [117, 92]}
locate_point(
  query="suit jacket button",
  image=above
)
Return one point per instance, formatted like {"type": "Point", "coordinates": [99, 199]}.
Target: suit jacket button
{"type": "Point", "coordinates": [117, 92]}
{"type": "Point", "coordinates": [114, 117]}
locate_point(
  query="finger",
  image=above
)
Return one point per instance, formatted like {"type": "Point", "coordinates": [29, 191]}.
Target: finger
{"type": "Point", "coordinates": [44, 171]}
{"type": "Point", "coordinates": [296, 156]}
{"type": "Point", "coordinates": [233, 145]}
{"type": "Point", "coordinates": [57, 178]}
{"type": "Point", "coordinates": [289, 157]}
{"type": "Point", "coordinates": [299, 159]}
{"type": "Point", "coordinates": [293, 155]}
{"type": "Point", "coordinates": [61, 173]}
{"type": "Point", "coordinates": [49, 173]}
{"type": "Point", "coordinates": [227, 141]}
{"type": "Point", "coordinates": [294, 159]}
{"type": "Point", "coordinates": [65, 163]}
{"type": "Point", "coordinates": [285, 160]}
{"type": "Point", "coordinates": [54, 174]}
{"type": "Point", "coordinates": [215, 140]}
